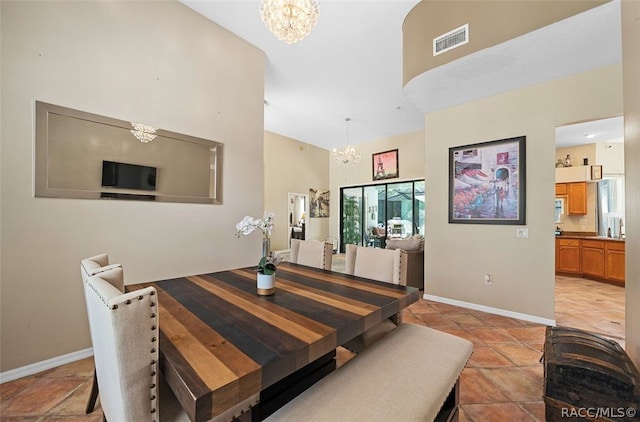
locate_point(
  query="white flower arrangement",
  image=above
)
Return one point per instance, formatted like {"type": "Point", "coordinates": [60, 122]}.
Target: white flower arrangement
{"type": "Point", "coordinates": [248, 225]}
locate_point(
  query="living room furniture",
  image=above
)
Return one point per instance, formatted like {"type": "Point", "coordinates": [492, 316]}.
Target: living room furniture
{"type": "Point", "coordinates": [411, 374]}
{"type": "Point", "coordinates": [221, 344]}
{"type": "Point", "coordinates": [298, 232]}
{"type": "Point", "coordinates": [312, 253]}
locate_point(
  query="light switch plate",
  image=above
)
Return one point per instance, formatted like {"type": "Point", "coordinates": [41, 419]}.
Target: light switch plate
{"type": "Point", "coordinates": [521, 232]}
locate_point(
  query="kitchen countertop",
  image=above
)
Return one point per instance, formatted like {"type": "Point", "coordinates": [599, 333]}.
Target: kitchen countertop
{"type": "Point", "coordinates": [588, 236]}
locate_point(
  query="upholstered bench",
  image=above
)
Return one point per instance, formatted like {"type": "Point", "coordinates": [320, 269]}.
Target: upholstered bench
{"type": "Point", "coordinates": [411, 374]}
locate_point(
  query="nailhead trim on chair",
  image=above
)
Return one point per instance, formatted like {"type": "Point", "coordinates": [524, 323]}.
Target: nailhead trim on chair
{"type": "Point", "coordinates": [153, 361]}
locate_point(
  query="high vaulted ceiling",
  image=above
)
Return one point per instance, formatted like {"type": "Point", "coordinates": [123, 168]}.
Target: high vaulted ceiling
{"type": "Point", "coordinates": [351, 63]}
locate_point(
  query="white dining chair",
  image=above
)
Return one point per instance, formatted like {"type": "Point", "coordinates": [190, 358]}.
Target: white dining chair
{"type": "Point", "coordinates": [97, 264]}
{"type": "Point", "coordinates": [124, 332]}
{"type": "Point", "coordinates": [386, 265]}
{"type": "Point", "coordinates": [312, 253]}
{"type": "Point", "coordinates": [89, 267]}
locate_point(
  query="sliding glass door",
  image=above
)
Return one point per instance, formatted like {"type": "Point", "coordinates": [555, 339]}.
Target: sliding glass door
{"type": "Point", "coordinates": [351, 216]}
{"type": "Point", "coordinates": [369, 214]}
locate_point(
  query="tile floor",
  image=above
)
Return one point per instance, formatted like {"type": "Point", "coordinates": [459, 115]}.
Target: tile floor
{"type": "Point", "coordinates": [502, 381]}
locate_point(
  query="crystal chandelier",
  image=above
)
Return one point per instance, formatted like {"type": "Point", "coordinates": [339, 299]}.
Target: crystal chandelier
{"type": "Point", "coordinates": [289, 20]}
{"type": "Point", "coordinates": [144, 133]}
{"type": "Point", "coordinates": [348, 155]}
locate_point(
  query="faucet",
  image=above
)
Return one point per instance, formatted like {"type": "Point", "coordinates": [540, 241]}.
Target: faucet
{"type": "Point", "coordinates": [620, 236]}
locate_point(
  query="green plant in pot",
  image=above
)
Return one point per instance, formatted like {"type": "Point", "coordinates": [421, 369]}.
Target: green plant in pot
{"type": "Point", "coordinates": [267, 266]}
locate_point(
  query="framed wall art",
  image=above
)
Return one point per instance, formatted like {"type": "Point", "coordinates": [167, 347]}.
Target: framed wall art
{"type": "Point", "coordinates": [385, 165]}
{"type": "Point", "coordinates": [487, 182]}
{"type": "Point", "coordinates": [596, 172]}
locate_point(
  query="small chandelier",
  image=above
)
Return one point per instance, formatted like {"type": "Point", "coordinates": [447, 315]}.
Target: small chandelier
{"type": "Point", "coordinates": [289, 20]}
{"type": "Point", "coordinates": [348, 155]}
{"type": "Point", "coordinates": [144, 133]}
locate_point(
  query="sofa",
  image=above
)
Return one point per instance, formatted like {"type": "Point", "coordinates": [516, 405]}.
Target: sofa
{"type": "Point", "coordinates": [414, 246]}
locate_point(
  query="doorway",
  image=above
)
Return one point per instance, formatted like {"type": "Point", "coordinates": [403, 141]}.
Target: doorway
{"type": "Point", "coordinates": [297, 208]}
{"type": "Point", "coordinates": [369, 214]}
{"type": "Point", "coordinates": [585, 254]}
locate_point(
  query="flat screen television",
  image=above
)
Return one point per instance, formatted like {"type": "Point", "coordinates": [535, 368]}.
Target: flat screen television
{"type": "Point", "coordinates": [128, 176]}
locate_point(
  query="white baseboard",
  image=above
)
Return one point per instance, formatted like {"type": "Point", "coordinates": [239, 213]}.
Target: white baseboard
{"type": "Point", "coordinates": [34, 368]}
{"type": "Point", "coordinates": [488, 309]}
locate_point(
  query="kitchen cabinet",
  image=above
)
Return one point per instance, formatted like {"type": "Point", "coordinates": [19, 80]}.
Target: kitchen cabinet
{"type": "Point", "coordinates": [593, 262]}
{"type": "Point", "coordinates": [594, 258]}
{"type": "Point", "coordinates": [615, 261]}
{"type": "Point", "coordinates": [576, 194]}
{"type": "Point", "coordinates": [568, 256]}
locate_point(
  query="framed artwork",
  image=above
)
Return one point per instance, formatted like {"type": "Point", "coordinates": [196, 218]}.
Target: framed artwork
{"type": "Point", "coordinates": [319, 202]}
{"type": "Point", "coordinates": [385, 165]}
{"type": "Point", "coordinates": [596, 172]}
{"type": "Point", "coordinates": [487, 182]}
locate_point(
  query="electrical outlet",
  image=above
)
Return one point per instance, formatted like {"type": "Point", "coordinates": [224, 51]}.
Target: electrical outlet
{"type": "Point", "coordinates": [522, 232]}
{"type": "Point", "coordinates": [488, 279]}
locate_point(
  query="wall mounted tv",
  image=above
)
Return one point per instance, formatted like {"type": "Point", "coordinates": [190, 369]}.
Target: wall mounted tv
{"type": "Point", "coordinates": [128, 176]}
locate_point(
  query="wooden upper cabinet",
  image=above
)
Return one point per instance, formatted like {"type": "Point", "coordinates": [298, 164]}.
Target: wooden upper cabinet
{"type": "Point", "coordinates": [577, 198]}
{"type": "Point", "coordinates": [576, 194]}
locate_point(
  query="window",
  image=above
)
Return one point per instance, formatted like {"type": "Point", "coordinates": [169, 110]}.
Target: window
{"type": "Point", "coordinates": [369, 214]}
{"type": "Point", "coordinates": [611, 206]}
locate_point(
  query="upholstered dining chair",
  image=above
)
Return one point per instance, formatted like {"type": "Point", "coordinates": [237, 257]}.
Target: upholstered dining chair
{"type": "Point", "coordinates": [124, 332]}
{"type": "Point", "coordinates": [386, 265]}
{"type": "Point", "coordinates": [89, 267]}
{"type": "Point", "coordinates": [312, 253]}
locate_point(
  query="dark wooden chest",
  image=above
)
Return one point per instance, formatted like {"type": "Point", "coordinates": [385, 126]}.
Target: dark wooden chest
{"type": "Point", "coordinates": [588, 377]}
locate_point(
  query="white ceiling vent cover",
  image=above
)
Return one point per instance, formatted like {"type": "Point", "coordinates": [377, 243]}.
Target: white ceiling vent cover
{"type": "Point", "coordinates": [451, 40]}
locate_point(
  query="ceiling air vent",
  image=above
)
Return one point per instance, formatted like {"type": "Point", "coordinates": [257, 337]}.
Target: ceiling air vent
{"type": "Point", "coordinates": [451, 40]}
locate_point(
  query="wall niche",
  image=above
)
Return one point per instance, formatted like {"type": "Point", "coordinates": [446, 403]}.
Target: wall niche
{"type": "Point", "coordinates": [87, 156]}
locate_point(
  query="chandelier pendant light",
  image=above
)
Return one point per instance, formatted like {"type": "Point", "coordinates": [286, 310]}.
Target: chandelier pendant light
{"type": "Point", "coordinates": [289, 20]}
{"type": "Point", "coordinates": [144, 133]}
{"type": "Point", "coordinates": [348, 155]}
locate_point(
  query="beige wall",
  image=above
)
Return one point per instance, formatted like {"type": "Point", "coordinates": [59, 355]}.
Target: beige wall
{"type": "Point", "coordinates": [410, 164]}
{"type": "Point", "coordinates": [631, 83]}
{"type": "Point", "coordinates": [577, 153]}
{"type": "Point", "coordinates": [490, 23]}
{"type": "Point", "coordinates": [153, 62]}
{"type": "Point", "coordinates": [611, 157]}
{"type": "Point", "coordinates": [293, 167]}
{"type": "Point", "coordinates": [457, 256]}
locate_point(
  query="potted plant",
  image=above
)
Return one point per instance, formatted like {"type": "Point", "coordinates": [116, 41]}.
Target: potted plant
{"type": "Point", "coordinates": [267, 264]}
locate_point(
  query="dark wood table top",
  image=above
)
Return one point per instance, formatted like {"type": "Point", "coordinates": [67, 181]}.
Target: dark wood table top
{"type": "Point", "coordinates": [221, 343]}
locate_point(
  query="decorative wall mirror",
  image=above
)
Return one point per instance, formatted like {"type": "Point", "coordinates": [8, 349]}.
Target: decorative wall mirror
{"type": "Point", "coordinates": [87, 156]}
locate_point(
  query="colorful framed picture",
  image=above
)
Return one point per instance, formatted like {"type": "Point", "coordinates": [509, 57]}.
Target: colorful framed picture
{"type": "Point", "coordinates": [385, 165]}
{"type": "Point", "coordinates": [487, 182]}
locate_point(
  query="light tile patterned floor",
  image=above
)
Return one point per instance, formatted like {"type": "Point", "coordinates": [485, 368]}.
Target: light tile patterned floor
{"type": "Point", "coordinates": [502, 381]}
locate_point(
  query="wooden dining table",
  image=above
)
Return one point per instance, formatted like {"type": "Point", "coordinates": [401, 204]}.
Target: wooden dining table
{"type": "Point", "coordinates": [221, 343]}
